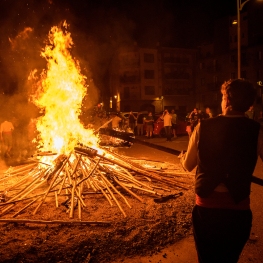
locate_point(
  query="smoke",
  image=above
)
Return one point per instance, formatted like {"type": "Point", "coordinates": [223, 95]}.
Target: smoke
{"type": "Point", "coordinates": [97, 31]}
{"type": "Point", "coordinates": [21, 40]}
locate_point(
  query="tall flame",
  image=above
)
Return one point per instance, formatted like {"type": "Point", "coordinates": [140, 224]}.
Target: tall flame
{"type": "Point", "coordinates": [60, 92]}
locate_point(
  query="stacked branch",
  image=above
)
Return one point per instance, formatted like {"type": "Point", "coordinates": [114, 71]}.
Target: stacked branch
{"type": "Point", "coordinates": [82, 173]}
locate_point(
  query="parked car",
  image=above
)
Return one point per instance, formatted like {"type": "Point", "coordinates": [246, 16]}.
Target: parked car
{"type": "Point", "coordinates": [159, 127]}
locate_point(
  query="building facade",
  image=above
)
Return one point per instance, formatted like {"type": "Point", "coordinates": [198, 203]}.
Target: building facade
{"type": "Point", "coordinates": [152, 79]}
{"type": "Point", "coordinates": [181, 79]}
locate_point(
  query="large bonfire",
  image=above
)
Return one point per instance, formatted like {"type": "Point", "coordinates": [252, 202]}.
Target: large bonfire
{"type": "Point", "coordinates": [59, 94]}
{"type": "Point", "coordinates": [70, 166]}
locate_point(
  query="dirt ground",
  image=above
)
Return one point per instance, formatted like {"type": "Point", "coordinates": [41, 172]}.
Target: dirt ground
{"type": "Point", "coordinates": [104, 234]}
{"type": "Point", "coordinates": [152, 232]}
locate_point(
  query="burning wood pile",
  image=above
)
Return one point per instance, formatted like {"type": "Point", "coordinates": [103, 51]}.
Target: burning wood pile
{"type": "Point", "coordinates": [75, 172]}
{"type": "Point", "coordinates": [73, 178]}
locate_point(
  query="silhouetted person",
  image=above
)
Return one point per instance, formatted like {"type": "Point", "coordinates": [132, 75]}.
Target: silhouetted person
{"type": "Point", "coordinates": [6, 131]}
{"type": "Point", "coordinates": [225, 150]}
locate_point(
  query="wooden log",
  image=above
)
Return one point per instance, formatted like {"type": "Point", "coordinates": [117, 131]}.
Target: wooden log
{"type": "Point", "coordinates": [19, 182]}
{"type": "Point", "coordinates": [113, 197]}
{"type": "Point", "coordinates": [142, 171]}
{"type": "Point", "coordinates": [71, 213]}
{"type": "Point", "coordinates": [62, 184]}
{"type": "Point", "coordinates": [91, 172]}
{"type": "Point", "coordinates": [142, 189]}
{"type": "Point", "coordinates": [128, 190]}
{"type": "Point", "coordinates": [56, 198]}
{"type": "Point", "coordinates": [13, 170]}
{"type": "Point", "coordinates": [27, 198]}
{"type": "Point", "coordinates": [25, 221]}
{"type": "Point", "coordinates": [55, 175]}
{"type": "Point", "coordinates": [131, 178]}
{"type": "Point", "coordinates": [79, 196]}
{"type": "Point", "coordinates": [25, 194]}
{"type": "Point", "coordinates": [25, 190]}
{"type": "Point", "coordinates": [138, 170]}
{"type": "Point", "coordinates": [114, 188]}
{"type": "Point", "coordinates": [103, 126]}
{"type": "Point", "coordinates": [79, 210]}
{"type": "Point", "coordinates": [104, 193]}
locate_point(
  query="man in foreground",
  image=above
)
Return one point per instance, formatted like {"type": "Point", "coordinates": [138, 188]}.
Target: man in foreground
{"type": "Point", "coordinates": [225, 150]}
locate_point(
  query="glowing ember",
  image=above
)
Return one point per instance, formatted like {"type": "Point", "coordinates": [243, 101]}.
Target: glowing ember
{"type": "Point", "coordinates": [59, 95]}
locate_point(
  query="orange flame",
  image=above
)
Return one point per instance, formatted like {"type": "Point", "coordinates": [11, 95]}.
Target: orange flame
{"type": "Point", "coordinates": [59, 95]}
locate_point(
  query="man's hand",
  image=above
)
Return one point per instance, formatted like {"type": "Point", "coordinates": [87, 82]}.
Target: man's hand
{"type": "Point", "coordinates": [181, 155]}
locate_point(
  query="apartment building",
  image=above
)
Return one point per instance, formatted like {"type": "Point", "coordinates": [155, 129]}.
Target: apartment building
{"type": "Point", "coordinates": [152, 79]}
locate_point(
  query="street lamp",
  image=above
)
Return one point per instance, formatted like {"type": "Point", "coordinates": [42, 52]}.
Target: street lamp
{"type": "Point", "coordinates": [240, 5]}
{"type": "Point", "coordinates": [161, 98]}
{"type": "Point", "coordinates": [115, 102]}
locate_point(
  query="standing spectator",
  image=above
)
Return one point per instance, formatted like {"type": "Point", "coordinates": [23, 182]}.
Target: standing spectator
{"type": "Point", "coordinates": [174, 123]}
{"type": "Point", "coordinates": [6, 135]}
{"type": "Point", "coordinates": [225, 150]}
{"type": "Point", "coordinates": [250, 113]}
{"type": "Point", "coordinates": [115, 123]}
{"type": "Point", "coordinates": [140, 123]}
{"type": "Point", "coordinates": [194, 118]}
{"type": "Point", "coordinates": [132, 121]}
{"type": "Point", "coordinates": [207, 113]}
{"type": "Point", "coordinates": [149, 122]}
{"type": "Point", "coordinates": [201, 115]}
{"type": "Point", "coordinates": [167, 123]}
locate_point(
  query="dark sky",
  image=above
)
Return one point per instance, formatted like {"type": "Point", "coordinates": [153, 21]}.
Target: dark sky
{"type": "Point", "coordinates": [98, 28]}
{"type": "Point", "coordinates": [176, 22]}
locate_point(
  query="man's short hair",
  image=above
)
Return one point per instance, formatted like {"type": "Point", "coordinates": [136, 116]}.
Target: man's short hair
{"type": "Point", "coordinates": [240, 93]}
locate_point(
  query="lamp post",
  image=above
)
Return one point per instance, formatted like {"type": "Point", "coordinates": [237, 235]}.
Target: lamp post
{"type": "Point", "coordinates": [161, 98]}
{"type": "Point", "coordinates": [240, 5]}
{"type": "Point", "coordinates": [115, 102]}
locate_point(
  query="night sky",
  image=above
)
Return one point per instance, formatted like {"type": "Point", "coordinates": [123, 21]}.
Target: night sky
{"type": "Point", "coordinates": [98, 28]}
{"type": "Point", "coordinates": [178, 22]}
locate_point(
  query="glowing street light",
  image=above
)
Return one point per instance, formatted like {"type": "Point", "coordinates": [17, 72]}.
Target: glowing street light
{"type": "Point", "coordinates": [240, 6]}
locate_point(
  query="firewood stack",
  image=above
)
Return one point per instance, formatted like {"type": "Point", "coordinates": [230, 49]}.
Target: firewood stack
{"type": "Point", "coordinates": [83, 172]}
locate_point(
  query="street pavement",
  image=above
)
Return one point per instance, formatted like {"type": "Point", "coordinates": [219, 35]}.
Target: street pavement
{"type": "Point", "coordinates": [184, 251]}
